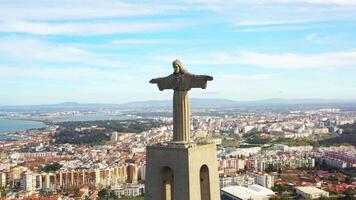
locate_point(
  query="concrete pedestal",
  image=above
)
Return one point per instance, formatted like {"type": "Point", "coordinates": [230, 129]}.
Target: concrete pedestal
{"type": "Point", "coordinates": [182, 173]}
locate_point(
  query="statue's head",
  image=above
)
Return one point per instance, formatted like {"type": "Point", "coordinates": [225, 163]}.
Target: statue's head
{"type": "Point", "coordinates": [178, 67]}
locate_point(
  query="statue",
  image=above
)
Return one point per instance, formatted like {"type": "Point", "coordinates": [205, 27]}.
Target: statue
{"type": "Point", "coordinates": [181, 81]}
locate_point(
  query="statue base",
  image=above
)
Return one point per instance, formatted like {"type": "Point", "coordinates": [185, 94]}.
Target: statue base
{"type": "Point", "coordinates": [182, 171]}
{"type": "Point", "coordinates": [178, 144]}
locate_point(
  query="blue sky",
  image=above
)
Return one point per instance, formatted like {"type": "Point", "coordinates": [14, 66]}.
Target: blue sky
{"type": "Point", "coordinates": [106, 51]}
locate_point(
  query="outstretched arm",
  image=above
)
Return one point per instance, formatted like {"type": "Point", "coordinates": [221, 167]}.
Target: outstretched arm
{"type": "Point", "coordinates": [154, 80]}
{"type": "Point", "coordinates": [208, 78]}
{"type": "Point", "coordinates": [162, 83]}
{"type": "Point", "coordinates": [200, 81]}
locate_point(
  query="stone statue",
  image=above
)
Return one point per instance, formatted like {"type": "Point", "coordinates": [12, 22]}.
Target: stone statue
{"type": "Point", "coordinates": [181, 81]}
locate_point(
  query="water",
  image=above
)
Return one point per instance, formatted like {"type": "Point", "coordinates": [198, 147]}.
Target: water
{"type": "Point", "coordinates": [11, 125]}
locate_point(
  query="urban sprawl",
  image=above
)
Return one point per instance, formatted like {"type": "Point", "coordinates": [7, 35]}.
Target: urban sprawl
{"type": "Point", "coordinates": [261, 155]}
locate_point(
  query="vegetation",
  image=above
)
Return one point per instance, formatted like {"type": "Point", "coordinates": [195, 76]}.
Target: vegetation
{"type": "Point", "coordinates": [52, 167]}
{"type": "Point", "coordinates": [106, 194]}
{"type": "Point", "coordinates": [229, 142]}
{"type": "Point", "coordinates": [280, 188]}
{"type": "Point", "coordinates": [272, 168]}
{"type": "Point", "coordinates": [133, 126]}
{"type": "Point", "coordinates": [295, 142]}
{"type": "Point", "coordinates": [81, 133]}
{"type": "Point", "coordinates": [81, 138]}
{"type": "Point", "coordinates": [4, 191]}
{"type": "Point", "coordinates": [258, 139]}
{"type": "Point", "coordinates": [348, 136]}
{"type": "Point", "coordinates": [289, 177]}
{"type": "Point", "coordinates": [349, 193]}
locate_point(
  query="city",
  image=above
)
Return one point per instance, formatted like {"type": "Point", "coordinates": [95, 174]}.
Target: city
{"type": "Point", "coordinates": [177, 99]}
{"type": "Point", "coordinates": [271, 154]}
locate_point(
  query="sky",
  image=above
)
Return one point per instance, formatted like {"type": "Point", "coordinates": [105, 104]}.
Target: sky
{"type": "Point", "coordinates": [95, 51]}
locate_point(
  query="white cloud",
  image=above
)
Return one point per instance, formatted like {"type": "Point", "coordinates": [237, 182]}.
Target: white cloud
{"type": "Point", "coordinates": [142, 41]}
{"type": "Point", "coordinates": [95, 28]}
{"type": "Point", "coordinates": [279, 12]}
{"type": "Point", "coordinates": [27, 49]}
{"type": "Point", "coordinates": [322, 2]}
{"type": "Point", "coordinates": [249, 22]}
{"type": "Point", "coordinates": [63, 74]}
{"type": "Point", "coordinates": [78, 9]}
{"type": "Point", "coordinates": [322, 38]}
{"type": "Point", "coordinates": [259, 2]}
{"type": "Point", "coordinates": [241, 77]}
{"type": "Point", "coordinates": [273, 60]}
{"type": "Point", "coordinates": [291, 60]}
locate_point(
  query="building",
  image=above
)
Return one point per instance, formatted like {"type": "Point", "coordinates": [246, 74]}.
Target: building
{"type": "Point", "coordinates": [248, 128]}
{"type": "Point", "coordinates": [233, 152]}
{"type": "Point", "coordinates": [264, 180]}
{"type": "Point", "coordinates": [130, 191]}
{"type": "Point", "coordinates": [114, 136]}
{"type": "Point", "coordinates": [338, 159]}
{"type": "Point", "coordinates": [142, 172]}
{"type": "Point", "coordinates": [311, 192]}
{"type": "Point", "coordinates": [255, 192]}
{"type": "Point", "coordinates": [241, 180]}
{"type": "Point", "coordinates": [28, 181]}
{"type": "Point", "coordinates": [3, 179]}
{"type": "Point", "coordinates": [132, 174]}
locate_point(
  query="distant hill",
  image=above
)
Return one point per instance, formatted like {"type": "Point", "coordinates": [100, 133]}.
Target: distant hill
{"type": "Point", "coordinates": [195, 102]}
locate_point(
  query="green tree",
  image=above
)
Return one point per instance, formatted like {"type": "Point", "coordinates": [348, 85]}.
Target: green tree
{"type": "Point", "coordinates": [106, 194]}
{"type": "Point", "coordinates": [52, 167]}
{"type": "Point", "coordinates": [349, 192]}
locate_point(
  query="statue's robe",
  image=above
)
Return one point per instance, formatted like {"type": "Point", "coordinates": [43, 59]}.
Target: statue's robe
{"type": "Point", "coordinates": [182, 82]}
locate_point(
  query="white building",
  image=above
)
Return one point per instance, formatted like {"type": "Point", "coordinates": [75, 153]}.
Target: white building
{"type": "Point", "coordinates": [216, 141]}
{"type": "Point", "coordinates": [3, 181]}
{"type": "Point", "coordinates": [255, 192]}
{"type": "Point", "coordinates": [264, 180]}
{"type": "Point", "coordinates": [114, 136]}
{"type": "Point", "coordinates": [243, 151]}
{"type": "Point", "coordinates": [248, 128]}
{"type": "Point", "coordinates": [142, 172]}
{"type": "Point", "coordinates": [311, 192]}
{"type": "Point", "coordinates": [240, 180]}
{"type": "Point", "coordinates": [28, 181]}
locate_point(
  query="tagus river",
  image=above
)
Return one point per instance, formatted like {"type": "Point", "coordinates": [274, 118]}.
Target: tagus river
{"type": "Point", "coordinates": [12, 125]}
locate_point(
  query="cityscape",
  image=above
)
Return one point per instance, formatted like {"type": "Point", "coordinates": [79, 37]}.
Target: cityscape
{"type": "Point", "coordinates": [177, 99]}
{"type": "Point", "coordinates": [264, 153]}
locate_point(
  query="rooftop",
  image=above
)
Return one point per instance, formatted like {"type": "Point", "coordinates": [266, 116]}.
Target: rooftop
{"type": "Point", "coordinates": [310, 190]}
{"type": "Point", "coordinates": [253, 191]}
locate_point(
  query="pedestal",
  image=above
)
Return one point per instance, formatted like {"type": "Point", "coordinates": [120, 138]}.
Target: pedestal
{"type": "Point", "coordinates": [182, 173]}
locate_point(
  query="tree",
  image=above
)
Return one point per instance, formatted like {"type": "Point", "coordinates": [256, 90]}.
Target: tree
{"type": "Point", "coordinates": [349, 192]}
{"type": "Point", "coordinates": [280, 188]}
{"type": "Point", "coordinates": [52, 167]}
{"type": "Point", "coordinates": [106, 194]}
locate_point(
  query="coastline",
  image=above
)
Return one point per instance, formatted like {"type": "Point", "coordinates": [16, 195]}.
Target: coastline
{"type": "Point", "coordinates": [21, 125]}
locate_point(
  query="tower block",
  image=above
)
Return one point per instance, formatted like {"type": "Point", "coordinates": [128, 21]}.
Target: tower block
{"type": "Point", "coordinates": [180, 169]}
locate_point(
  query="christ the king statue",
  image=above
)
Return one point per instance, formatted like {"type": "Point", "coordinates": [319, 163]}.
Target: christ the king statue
{"type": "Point", "coordinates": [181, 81]}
